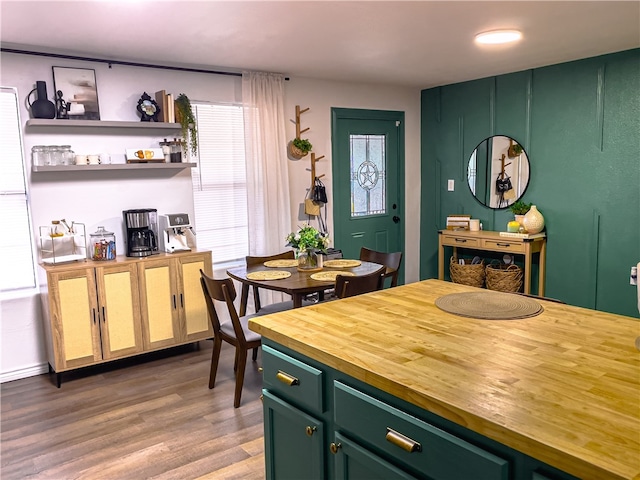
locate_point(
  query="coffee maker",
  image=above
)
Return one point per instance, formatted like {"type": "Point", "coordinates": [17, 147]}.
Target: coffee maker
{"type": "Point", "coordinates": [176, 233]}
{"type": "Point", "coordinates": [141, 232]}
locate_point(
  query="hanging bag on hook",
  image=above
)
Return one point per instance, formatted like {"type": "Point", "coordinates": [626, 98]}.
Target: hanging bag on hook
{"type": "Point", "coordinates": [319, 192]}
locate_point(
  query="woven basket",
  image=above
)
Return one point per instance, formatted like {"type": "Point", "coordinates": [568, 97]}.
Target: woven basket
{"type": "Point", "coordinates": [295, 152]}
{"type": "Point", "coordinates": [504, 278]}
{"type": "Point", "coordinates": [467, 274]}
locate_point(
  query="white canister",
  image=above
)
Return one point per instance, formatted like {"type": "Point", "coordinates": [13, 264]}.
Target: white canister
{"type": "Point", "coordinates": [474, 225]}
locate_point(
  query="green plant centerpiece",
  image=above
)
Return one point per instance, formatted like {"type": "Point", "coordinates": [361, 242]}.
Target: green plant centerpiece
{"type": "Point", "coordinates": [309, 244]}
{"type": "Point", "coordinates": [184, 115]}
{"type": "Point", "coordinates": [299, 147]}
{"type": "Point", "coordinates": [514, 150]}
{"type": "Point", "coordinates": [519, 207]}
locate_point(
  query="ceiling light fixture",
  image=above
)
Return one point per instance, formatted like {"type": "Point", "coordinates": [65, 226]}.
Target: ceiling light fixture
{"type": "Point", "coordinates": [496, 37]}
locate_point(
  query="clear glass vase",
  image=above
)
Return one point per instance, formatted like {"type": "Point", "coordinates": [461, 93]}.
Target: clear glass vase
{"type": "Point", "coordinates": [309, 260]}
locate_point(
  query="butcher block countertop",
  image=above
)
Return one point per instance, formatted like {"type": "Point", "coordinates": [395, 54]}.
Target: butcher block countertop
{"type": "Point", "coordinates": [562, 387]}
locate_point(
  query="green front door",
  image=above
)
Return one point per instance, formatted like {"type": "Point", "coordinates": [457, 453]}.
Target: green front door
{"type": "Point", "coordinates": [368, 187]}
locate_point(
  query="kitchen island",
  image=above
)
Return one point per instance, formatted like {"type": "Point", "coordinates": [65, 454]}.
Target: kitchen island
{"type": "Point", "coordinates": [561, 388]}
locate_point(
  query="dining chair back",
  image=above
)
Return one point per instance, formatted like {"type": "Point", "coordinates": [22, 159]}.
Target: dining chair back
{"type": "Point", "coordinates": [234, 331]}
{"type": "Point", "coordinates": [253, 261]}
{"type": "Point", "coordinates": [390, 260]}
{"type": "Point", "coordinates": [351, 286]}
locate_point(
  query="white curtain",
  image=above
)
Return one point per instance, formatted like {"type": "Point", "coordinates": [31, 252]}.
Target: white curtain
{"type": "Point", "coordinates": [268, 201]}
{"type": "Point", "coordinates": [269, 205]}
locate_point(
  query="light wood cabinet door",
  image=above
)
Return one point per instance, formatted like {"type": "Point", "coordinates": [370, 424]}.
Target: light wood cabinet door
{"type": "Point", "coordinates": [159, 303]}
{"type": "Point", "coordinates": [73, 316]}
{"type": "Point", "coordinates": [119, 307]}
{"type": "Point", "coordinates": [194, 319]}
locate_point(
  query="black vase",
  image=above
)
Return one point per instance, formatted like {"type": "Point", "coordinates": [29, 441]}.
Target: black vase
{"type": "Point", "coordinates": [42, 107]}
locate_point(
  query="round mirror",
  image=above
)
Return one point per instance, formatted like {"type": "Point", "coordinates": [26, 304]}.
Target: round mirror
{"type": "Point", "coordinates": [498, 172]}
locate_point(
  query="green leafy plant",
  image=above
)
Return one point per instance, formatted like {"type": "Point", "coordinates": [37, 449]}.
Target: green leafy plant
{"type": "Point", "coordinates": [302, 144]}
{"type": "Point", "coordinates": [308, 238]}
{"type": "Point", "coordinates": [519, 207]}
{"type": "Point", "coordinates": [514, 150]}
{"type": "Point", "coordinates": [184, 115]}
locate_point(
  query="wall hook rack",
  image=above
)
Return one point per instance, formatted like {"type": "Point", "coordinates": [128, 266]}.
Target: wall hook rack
{"type": "Point", "coordinates": [298, 113]}
{"type": "Point", "coordinates": [314, 159]}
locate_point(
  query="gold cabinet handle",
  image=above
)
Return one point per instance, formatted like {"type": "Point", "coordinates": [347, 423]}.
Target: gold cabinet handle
{"type": "Point", "coordinates": [402, 441]}
{"type": "Point", "coordinates": [334, 447]}
{"type": "Point", "coordinates": [310, 430]}
{"type": "Point", "coordinates": [287, 379]}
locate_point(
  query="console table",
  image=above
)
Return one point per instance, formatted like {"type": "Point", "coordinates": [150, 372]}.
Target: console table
{"type": "Point", "coordinates": [494, 242]}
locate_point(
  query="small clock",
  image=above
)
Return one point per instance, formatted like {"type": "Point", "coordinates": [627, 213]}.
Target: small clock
{"type": "Point", "coordinates": [148, 108]}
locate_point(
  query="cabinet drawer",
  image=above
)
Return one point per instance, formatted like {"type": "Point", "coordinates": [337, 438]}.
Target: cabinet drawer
{"type": "Point", "coordinates": [461, 242]}
{"type": "Point", "coordinates": [503, 246]}
{"type": "Point", "coordinates": [292, 379]}
{"type": "Point", "coordinates": [394, 433]}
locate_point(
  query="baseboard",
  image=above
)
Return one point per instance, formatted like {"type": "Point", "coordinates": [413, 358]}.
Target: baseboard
{"type": "Point", "coordinates": [24, 373]}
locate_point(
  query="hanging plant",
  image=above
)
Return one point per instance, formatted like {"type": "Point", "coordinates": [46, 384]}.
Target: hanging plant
{"type": "Point", "coordinates": [299, 147]}
{"type": "Point", "coordinates": [514, 150]}
{"type": "Point", "coordinates": [184, 115]}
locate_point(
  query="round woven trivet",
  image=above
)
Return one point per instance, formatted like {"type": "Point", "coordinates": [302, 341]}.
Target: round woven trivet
{"type": "Point", "coordinates": [268, 275]}
{"type": "Point", "coordinates": [489, 305]}
{"type": "Point", "coordinates": [342, 263]}
{"type": "Point", "coordinates": [283, 263]}
{"type": "Point", "coordinates": [330, 276]}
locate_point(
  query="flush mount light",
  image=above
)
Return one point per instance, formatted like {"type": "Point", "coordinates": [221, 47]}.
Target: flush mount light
{"type": "Point", "coordinates": [498, 36]}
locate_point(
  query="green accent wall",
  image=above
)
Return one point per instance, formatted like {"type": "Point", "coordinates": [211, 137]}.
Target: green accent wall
{"type": "Point", "coordinates": [579, 123]}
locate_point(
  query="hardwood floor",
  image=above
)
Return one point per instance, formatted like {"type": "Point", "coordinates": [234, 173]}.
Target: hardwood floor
{"type": "Point", "coordinates": [149, 418]}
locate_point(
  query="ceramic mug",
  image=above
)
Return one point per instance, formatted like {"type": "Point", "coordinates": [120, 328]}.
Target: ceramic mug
{"type": "Point", "coordinates": [93, 159]}
{"type": "Point", "coordinates": [105, 158]}
{"type": "Point", "coordinates": [80, 159]}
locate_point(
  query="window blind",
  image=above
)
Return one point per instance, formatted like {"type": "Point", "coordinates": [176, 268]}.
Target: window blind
{"type": "Point", "coordinates": [16, 249]}
{"type": "Point", "coordinates": [220, 182]}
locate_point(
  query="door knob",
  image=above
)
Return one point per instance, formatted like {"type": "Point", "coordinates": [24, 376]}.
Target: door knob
{"type": "Point", "coordinates": [396, 219]}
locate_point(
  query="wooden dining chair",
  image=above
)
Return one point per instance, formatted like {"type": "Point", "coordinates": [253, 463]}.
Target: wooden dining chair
{"type": "Point", "coordinates": [351, 286]}
{"type": "Point", "coordinates": [234, 331]}
{"type": "Point", "coordinates": [390, 260]}
{"type": "Point", "coordinates": [275, 307]}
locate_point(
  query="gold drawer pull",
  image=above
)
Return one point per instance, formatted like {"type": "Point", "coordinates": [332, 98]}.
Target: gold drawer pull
{"type": "Point", "coordinates": [334, 447]}
{"type": "Point", "coordinates": [287, 379]}
{"type": "Point", "coordinates": [399, 440]}
{"type": "Point", "coordinates": [310, 430]}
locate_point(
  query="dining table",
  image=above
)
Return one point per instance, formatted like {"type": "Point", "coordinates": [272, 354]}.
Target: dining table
{"type": "Point", "coordinates": [298, 284]}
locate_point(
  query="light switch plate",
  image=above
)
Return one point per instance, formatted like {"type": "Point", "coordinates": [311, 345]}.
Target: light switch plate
{"type": "Point", "coordinates": [450, 185]}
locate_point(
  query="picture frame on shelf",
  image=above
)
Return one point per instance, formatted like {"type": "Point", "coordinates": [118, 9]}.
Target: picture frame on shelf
{"type": "Point", "coordinates": [77, 87]}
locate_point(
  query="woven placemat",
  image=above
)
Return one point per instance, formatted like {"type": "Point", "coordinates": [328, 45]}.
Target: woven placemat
{"type": "Point", "coordinates": [489, 305]}
{"type": "Point", "coordinates": [282, 263]}
{"type": "Point", "coordinates": [342, 263]}
{"type": "Point", "coordinates": [268, 275]}
{"type": "Point", "coordinates": [329, 276]}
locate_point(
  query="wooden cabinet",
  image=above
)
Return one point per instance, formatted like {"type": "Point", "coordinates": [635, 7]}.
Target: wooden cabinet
{"type": "Point", "coordinates": [100, 311]}
{"type": "Point", "coordinates": [173, 308]}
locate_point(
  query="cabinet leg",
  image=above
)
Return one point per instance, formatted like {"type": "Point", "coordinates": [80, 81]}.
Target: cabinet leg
{"type": "Point", "coordinates": [58, 376]}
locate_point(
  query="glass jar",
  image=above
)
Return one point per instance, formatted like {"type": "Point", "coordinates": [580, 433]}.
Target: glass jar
{"type": "Point", "coordinates": [66, 155]}
{"type": "Point", "coordinates": [55, 154]}
{"type": "Point", "coordinates": [56, 230]}
{"type": "Point", "coordinates": [103, 245]}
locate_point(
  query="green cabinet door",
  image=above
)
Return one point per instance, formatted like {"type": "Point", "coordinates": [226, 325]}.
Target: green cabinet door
{"type": "Point", "coordinates": [356, 463]}
{"type": "Point", "coordinates": [293, 442]}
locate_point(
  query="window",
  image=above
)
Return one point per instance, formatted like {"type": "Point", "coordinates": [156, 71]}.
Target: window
{"type": "Point", "coordinates": [368, 175]}
{"type": "Point", "coordinates": [220, 183]}
{"type": "Point", "coordinates": [18, 270]}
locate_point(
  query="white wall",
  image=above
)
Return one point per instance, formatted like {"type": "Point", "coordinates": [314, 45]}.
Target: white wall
{"type": "Point", "coordinates": [98, 198]}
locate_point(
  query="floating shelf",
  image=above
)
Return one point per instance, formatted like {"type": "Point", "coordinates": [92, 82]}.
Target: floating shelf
{"type": "Point", "coordinates": [56, 123]}
{"type": "Point", "coordinates": [111, 167]}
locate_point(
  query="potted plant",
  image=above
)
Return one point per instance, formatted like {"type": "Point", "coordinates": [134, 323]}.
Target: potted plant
{"type": "Point", "coordinates": [184, 115]}
{"type": "Point", "coordinates": [519, 209]}
{"type": "Point", "coordinates": [299, 147]}
{"type": "Point", "coordinates": [310, 244]}
{"type": "Point", "coordinates": [514, 150]}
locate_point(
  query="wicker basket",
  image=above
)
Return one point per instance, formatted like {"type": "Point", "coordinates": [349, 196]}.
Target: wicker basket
{"type": "Point", "coordinates": [467, 273]}
{"type": "Point", "coordinates": [295, 152]}
{"type": "Point", "coordinates": [504, 278]}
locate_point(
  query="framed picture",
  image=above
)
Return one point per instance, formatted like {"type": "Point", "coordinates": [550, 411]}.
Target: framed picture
{"type": "Point", "coordinates": [76, 92]}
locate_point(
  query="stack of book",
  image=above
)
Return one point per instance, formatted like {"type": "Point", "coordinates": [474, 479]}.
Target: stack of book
{"type": "Point", "coordinates": [458, 222]}
{"type": "Point", "coordinates": [167, 107]}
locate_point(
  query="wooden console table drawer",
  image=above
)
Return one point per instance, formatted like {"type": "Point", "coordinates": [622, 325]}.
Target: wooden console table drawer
{"type": "Point", "coordinates": [503, 246]}
{"type": "Point", "coordinates": [461, 242]}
